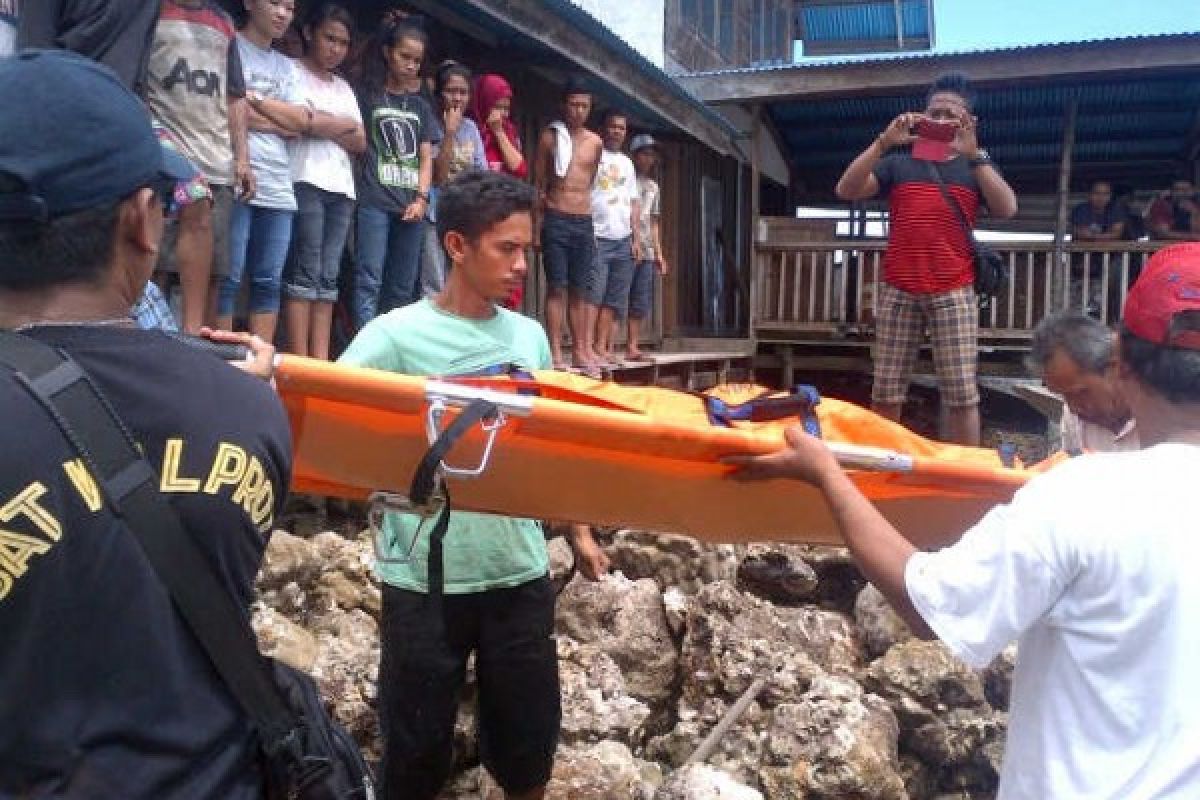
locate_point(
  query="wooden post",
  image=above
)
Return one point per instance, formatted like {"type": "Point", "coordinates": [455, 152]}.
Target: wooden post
{"type": "Point", "coordinates": [756, 131]}
{"type": "Point", "coordinates": [1060, 273]}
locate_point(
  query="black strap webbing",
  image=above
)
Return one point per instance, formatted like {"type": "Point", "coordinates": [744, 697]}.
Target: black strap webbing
{"type": "Point", "coordinates": [426, 480]}
{"type": "Point", "coordinates": [967, 230]}
{"type": "Point", "coordinates": [130, 486]}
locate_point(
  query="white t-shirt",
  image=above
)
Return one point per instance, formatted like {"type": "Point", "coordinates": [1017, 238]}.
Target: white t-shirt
{"type": "Point", "coordinates": [321, 162]}
{"type": "Point", "coordinates": [271, 74]}
{"type": "Point", "coordinates": [613, 193]}
{"type": "Point", "coordinates": [1091, 569]}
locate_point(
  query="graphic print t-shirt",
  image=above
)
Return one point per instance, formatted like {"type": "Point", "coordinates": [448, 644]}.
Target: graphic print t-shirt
{"type": "Point", "coordinates": [397, 126]}
{"type": "Point", "coordinates": [106, 692]}
{"type": "Point", "coordinates": [193, 69]}
{"type": "Point", "coordinates": [613, 193]}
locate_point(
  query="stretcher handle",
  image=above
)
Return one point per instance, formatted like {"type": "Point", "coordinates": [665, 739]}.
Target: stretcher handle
{"type": "Point", "coordinates": [457, 395]}
{"type": "Point", "coordinates": [876, 459]}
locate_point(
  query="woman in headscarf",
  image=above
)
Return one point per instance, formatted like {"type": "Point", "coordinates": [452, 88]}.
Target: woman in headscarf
{"type": "Point", "coordinates": [491, 108]}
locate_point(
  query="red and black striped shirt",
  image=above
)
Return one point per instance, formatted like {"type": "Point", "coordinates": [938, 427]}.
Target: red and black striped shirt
{"type": "Point", "coordinates": [928, 252]}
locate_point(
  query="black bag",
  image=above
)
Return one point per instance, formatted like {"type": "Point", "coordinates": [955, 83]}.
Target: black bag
{"type": "Point", "coordinates": [306, 755]}
{"type": "Point", "coordinates": [991, 273]}
{"type": "Point", "coordinates": [326, 764]}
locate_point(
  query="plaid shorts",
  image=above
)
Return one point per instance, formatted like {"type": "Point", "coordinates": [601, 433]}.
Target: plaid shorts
{"type": "Point", "coordinates": [953, 322]}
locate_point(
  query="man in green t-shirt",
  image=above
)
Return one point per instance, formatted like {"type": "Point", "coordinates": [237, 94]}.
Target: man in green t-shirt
{"type": "Point", "coordinates": [499, 602]}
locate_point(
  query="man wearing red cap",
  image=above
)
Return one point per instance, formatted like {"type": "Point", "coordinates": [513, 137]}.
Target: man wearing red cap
{"type": "Point", "coordinates": [1090, 569]}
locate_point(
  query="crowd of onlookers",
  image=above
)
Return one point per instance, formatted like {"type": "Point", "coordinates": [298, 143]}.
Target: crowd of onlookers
{"type": "Point", "coordinates": [298, 168]}
{"type": "Point", "coordinates": [1111, 214]}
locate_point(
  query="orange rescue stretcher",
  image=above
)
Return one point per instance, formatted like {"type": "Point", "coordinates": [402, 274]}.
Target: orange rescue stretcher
{"type": "Point", "coordinates": [568, 448]}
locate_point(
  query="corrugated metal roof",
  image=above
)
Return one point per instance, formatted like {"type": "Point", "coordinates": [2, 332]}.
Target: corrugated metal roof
{"type": "Point", "coordinates": [884, 58]}
{"type": "Point", "coordinates": [1145, 119]}
{"type": "Point", "coordinates": [863, 21]}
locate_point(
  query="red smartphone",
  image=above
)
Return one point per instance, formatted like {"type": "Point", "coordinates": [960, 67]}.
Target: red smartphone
{"type": "Point", "coordinates": [933, 140]}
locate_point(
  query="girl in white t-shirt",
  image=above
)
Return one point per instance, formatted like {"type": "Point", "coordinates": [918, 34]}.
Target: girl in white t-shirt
{"type": "Point", "coordinates": [323, 179]}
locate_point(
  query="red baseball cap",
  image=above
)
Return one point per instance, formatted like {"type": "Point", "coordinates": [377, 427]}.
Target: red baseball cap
{"type": "Point", "coordinates": [1168, 286]}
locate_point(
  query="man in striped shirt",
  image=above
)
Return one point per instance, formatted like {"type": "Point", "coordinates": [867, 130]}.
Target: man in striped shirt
{"type": "Point", "coordinates": [928, 271]}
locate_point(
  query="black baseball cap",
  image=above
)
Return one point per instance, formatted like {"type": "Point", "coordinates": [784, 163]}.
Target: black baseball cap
{"type": "Point", "coordinates": [74, 137]}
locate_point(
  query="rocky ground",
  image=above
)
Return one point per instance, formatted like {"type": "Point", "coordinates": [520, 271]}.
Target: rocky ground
{"type": "Point", "coordinates": [844, 702]}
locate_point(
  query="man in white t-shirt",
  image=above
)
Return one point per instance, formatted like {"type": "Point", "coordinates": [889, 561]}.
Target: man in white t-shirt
{"type": "Point", "coordinates": [1090, 568]}
{"type": "Point", "coordinates": [615, 211]}
{"type": "Point", "coordinates": [1076, 357]}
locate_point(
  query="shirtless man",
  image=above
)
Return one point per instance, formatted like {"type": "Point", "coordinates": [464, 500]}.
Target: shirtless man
{"type": "Point", "coordinates": [564, 224]}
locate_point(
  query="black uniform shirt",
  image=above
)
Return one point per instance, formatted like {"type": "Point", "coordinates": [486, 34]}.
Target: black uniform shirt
{"type": "Point", "coordinates": [104, 692]}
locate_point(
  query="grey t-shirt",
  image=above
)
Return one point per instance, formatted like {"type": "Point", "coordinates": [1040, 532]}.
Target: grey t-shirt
{"type": "Point", "coordinates": [273, 75]}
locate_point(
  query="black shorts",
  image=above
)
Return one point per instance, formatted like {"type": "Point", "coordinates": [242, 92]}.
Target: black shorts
{"type": "Point", "coordinates": [423, 670]}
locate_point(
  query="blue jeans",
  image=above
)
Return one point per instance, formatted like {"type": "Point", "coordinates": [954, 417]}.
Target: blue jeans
{"type": "Point", "coordinates": [258, 239]}
{"type": "Point", "coordinates": [321, 227]}
{"type": "Point", "coordinates": [387, 259]}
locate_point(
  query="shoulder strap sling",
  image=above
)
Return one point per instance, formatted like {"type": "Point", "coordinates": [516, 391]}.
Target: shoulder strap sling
{"type": "Point", "coordinates": [130, 487]}
{"type": "Point", "coordinates": [427, 480]}
{"type": "Point", "coordinates": [967, 230]}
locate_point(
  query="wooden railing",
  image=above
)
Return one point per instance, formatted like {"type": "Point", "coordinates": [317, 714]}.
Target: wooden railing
{"type": "Point", "coordinates": [829, 289]}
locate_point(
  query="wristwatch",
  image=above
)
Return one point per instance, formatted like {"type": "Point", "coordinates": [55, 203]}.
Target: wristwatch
{"type": "Point", "coordinates": [982, 158]}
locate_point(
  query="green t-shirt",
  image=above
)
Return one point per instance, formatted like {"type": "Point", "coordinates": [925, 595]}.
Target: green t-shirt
{"type": "Point", "coordinates": [481, 551]}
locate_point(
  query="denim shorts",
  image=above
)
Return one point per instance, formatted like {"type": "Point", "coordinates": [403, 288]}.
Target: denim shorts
{"type": "Point", "coordinates": [319, 238]}
{"type": "Point", "coordinates": [641, 293]}
{"type": "Point", "coordinates": [569, 251]}
{"type": "Point", "coordinates": [614, 272]}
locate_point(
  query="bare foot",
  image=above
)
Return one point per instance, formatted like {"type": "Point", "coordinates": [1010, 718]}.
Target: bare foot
{"type": "Point", "coordinates": [585, 358]}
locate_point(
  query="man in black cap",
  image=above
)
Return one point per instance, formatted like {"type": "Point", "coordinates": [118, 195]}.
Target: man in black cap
{"type": "Point", "coordinates": [106, 691]}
